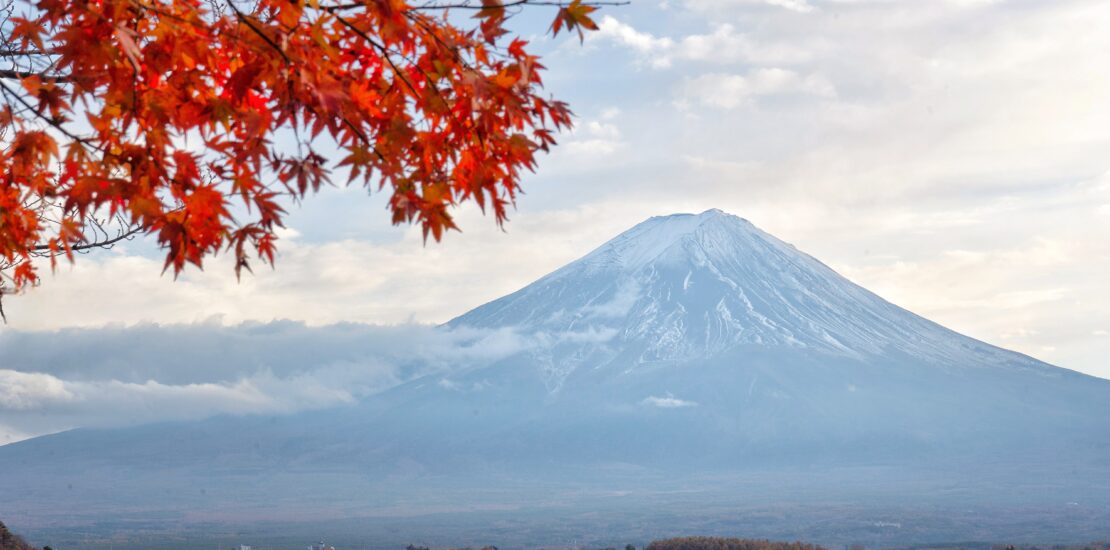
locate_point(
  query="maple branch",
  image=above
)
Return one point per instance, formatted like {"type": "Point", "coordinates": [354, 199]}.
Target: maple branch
{"type": "Point", "coordinates": [431, 83]}
{"type": "Point", "coordinates": [385, 53]}
{"type": "Point", "coordinates": [430, 32]}
{"type": "Point", "coordinates": [396, 70]}
{"type": "Point", "coordinates": [53, 123]}
{"type": "Point", "coordinates": [39, 250]}
{"type": "Point", "coordinates": [239, 15]}
{"type": "Point", "coordinates": [407, 97]}
{"type": "Point", "coordinates": [57, 78]}
{"type": "Point", "coordinates": [127, 235]}
{"type": "Point", "coordinates": [366, 139]}
{"type": "Point", "coordinates": [26, 53]}
{"type": "Point", "coordinates": [246, 21]}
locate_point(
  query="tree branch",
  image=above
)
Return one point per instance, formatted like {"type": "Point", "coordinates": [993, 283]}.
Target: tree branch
{"type": "Point", "coordinates": [246, 21]}
{"type": "Point", "coordinates": [25, 53]}
{"type": "Point", "coordinates": [385, 54]}
{"type": "Point", "coordinates": [100, 244]}
{"type": "Point", "coordinates": [59, 78]}
{"type": "Point", "coordinates": [53, 123]}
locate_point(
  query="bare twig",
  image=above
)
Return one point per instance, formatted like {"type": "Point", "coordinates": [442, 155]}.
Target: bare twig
{"type": "Point", "coordinates": [126, 235]}
{"type": "Point", "coordinates": [45, 77]}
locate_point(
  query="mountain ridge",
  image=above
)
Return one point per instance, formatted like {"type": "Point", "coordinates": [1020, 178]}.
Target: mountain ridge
{"type": "Point", "coordinates": [759, 290]}
{"type": "Point", "coordinates": [684, 352]}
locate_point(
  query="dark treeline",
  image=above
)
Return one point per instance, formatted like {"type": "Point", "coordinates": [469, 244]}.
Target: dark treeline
{"type": "Point", "coordinates": [718, 543]}
{"type": "Point", "coordinates": [11, 541]}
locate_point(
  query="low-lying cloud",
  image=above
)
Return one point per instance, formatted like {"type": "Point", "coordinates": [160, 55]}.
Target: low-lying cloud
{"type": "Point", "coordinates": [115, 376]}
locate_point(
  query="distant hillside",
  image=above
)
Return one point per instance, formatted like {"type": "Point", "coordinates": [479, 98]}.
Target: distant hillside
{"type": "Point", "coordinates": [11, 541]}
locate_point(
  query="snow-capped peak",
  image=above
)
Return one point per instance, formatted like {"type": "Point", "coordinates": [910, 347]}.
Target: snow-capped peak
{"type": "Point", "coordinates": [650, 239]}
{"type": "Point", "coordinates": [689, 286]}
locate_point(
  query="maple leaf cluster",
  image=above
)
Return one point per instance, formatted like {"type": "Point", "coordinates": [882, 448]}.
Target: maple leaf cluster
{"type": "Point", "coordinates": [191, 121]}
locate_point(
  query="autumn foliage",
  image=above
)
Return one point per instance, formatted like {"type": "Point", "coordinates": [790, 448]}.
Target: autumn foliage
{"type": "Point", "coordinates": [198, 121]}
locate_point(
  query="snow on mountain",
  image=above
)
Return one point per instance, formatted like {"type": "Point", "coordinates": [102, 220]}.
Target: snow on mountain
{"type": "Point", "coordinates": [690, 346]}
{"type": "Point", "coordinates": [682, 287]}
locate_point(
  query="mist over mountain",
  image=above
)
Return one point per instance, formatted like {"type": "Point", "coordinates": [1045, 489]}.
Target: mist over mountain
{"type": "Point", "coordinates": [692, 354]}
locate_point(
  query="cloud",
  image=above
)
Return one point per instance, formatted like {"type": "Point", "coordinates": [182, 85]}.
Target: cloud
{"type": "Point", "coordinates": [448, 384]}
{"type": "Point", "coordinates": [722, 45]}
{"type": "Point", "coordinates": [794, 5]}
{"type": "Point", "coordinates": [797, 6]}
{"type": "Point", "coordinates": [650, 47]}
{"type": "Point", "coordinates": [728, 91]}
{"type": "Point", "coordinates": [116, 376]}
{"type": "Point", "coordinates": [594, 138]}
{"type": "Point", "coordinates": [1043, 296]}
{"type": "Point", "coordinates": [667, 402]}
{"type": "Point", "coordinates": [10, 435]}
{"type": "Point", "coordinates": [22, 391]}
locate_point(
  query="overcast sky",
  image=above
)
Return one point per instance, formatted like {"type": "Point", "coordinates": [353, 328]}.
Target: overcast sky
{"type": "Point", "coordinates": [951, 155]}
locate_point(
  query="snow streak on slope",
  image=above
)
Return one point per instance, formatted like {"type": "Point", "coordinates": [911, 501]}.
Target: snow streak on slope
{"type": "Point", "coordinates": [685, 287]}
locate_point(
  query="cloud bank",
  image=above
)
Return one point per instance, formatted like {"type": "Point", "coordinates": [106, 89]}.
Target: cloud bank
{"type": "Point", "coordinates": [116, 376]}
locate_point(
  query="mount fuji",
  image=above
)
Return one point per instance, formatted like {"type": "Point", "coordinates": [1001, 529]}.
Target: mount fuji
{"type": "Point", "coordinates": [690, 355]}
{"type": "Point", "coordinates": [692, 287]}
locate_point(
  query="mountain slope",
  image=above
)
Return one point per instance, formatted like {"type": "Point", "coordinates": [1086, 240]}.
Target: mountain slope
{"type": "Point", "coordinates": [683, 287]}
{"type": "Point", "coordinates": [689, 347]}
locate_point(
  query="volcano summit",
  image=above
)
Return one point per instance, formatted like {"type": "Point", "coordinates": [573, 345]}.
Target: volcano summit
{"type": "Point", "coordinates": [690, 355]}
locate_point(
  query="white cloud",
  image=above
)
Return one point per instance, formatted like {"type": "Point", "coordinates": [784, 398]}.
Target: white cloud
{"type": "Point", "coordinates": [728, 91]}
{"type": "Point", "coordinates": [593, 138]}
{"type": "Point", "coordinates": [30, 391]}
{"type": "Point", "coordinates": [1019, 332]}
{"type": "Point", "coordinates": [723, 45]}
{"type": "Point", "coordinates": [10, 435]}
{"type": "Point", "coordinates": [795, 5]}
{"type": "Point", "coordinates": [798, 6]}
{"type": "Point", "coordinates": [118, 376]}
{"type": "Point", "coordinates": [40, 403]}
{"type": "Point", "coordinates": [1039, 297]}
{"type": "Point", "coordinates": [667, 402]}
{"type": "Point", "coordinates": [611, 29]}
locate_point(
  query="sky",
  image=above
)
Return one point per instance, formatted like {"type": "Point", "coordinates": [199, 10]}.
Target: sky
{"type": "Point", "coordinates": [949, 155]}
